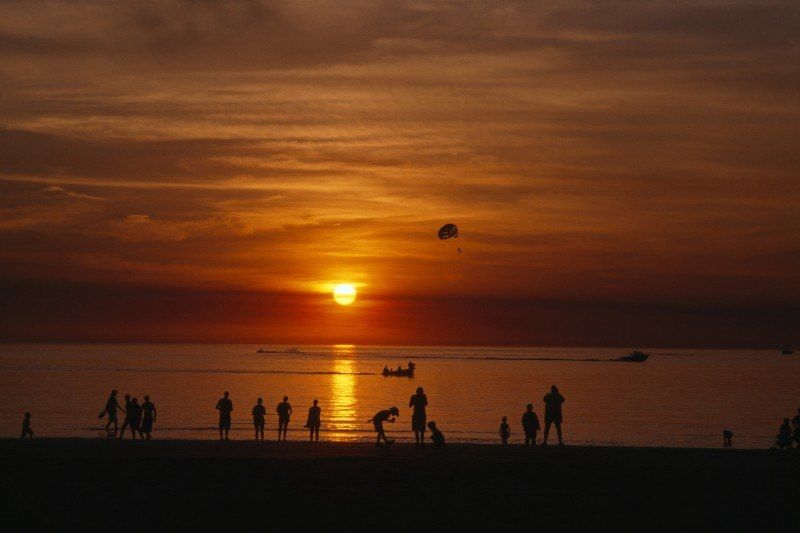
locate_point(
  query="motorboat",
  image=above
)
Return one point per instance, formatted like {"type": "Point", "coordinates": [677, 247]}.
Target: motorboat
{"type": "Point", "coordinates": [635, 357]}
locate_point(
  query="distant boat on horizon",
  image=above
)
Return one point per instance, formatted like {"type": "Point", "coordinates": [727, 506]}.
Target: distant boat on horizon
{"type": "Point", "coordinates": [288, 350]}
{"type": "Point", "coordinates": [787, 351]}
{"type": "Point", "coordinates": [635, 357]}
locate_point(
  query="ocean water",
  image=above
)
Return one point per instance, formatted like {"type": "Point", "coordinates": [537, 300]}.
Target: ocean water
{"type": "Point", "coordinates": [676, 398]}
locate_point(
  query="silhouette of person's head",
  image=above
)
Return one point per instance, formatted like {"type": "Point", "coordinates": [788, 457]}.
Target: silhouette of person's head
{"type": "Point", "coordinates": [127, 397]}
{"type": "Point", "coordinates": [27, 415]}
{"type": "Point", "coordinates": [554, 389]}
{"type": "Point", "coordinates": [395, 411]}
{"type": "Point", "coordinates": [785, 420]}
{"type": "Point", "coordinates": [146, 398]}
{"type": "Point", "coordinates": [114, 392]}
{"type": "Point", "coordinates": [505, 419]}
{"type": "Point", "coordinates": [226, 394]}
{"type": "Point", "coordinates": [530, 407]}
{"type": "Point", "coordinates": [431, 425]}
{"type": "Point", "coordinates": [285, 398]}
{"type": "Point", "coordinates": [260, 401]}
{"type": "Point", "coordinates": [419, 390]}
{"type": "Point", "coordinates": [316, 402]}
{"type": "Point", "coordinates": [135, 400]}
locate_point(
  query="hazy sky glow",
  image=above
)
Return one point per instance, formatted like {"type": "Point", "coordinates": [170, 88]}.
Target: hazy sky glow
{"type": "Point", "coordinates": [621, 172]}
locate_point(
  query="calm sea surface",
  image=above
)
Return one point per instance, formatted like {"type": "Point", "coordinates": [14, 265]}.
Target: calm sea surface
{"type": "Point", "coordinates": [676, 398]}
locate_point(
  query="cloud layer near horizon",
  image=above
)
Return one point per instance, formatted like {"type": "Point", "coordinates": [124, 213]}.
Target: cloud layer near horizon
{"type": "Point", "coordinates": [639, 152]}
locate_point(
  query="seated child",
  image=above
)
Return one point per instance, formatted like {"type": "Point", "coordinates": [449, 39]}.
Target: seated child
{"type": "Point", "coordinates": [436, 436]}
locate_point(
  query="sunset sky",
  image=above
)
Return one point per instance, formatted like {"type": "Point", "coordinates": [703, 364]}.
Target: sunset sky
{"type": "Point", "coordinates": [624, 175]}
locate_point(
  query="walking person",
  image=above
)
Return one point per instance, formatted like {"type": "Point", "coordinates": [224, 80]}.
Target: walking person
{"type": "Point", "coordinates": [224, 406]}
{"type": "Point", "coordinates": [377, 421]}
{"type": "Point", "coordinates": [418, 418]}
{"type": "Point", "coordinates": [530, 424]}
{"type": "Point", "coordinates": [127, 420]}
{"type": "Point", "coordinates": [111, 410]}
{"type": "Point", "coordinates": [259, 418]}
{"type": "Point", "coordinates": [284, 411]}
{"type": "Point", "coordinates": [552, 413]}
{"type": "Point", "coordinates": [148, 416]}
{"type": "Point", "coordinates": [314, 421]}
{"type": "Point", "coordinates": [26, 427]}
{"type": "Point", "coordinates": [134, 417]}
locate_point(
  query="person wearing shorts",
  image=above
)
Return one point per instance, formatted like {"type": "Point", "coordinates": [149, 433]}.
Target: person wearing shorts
{"type": "Point", "coordinates": [224, 406]}
{"type": "Point", "coordinates": [259, 418]}
{"type": "Point", "coordinates": [378, 420]}
{"type": "Point", "coordinates": [284, 411]}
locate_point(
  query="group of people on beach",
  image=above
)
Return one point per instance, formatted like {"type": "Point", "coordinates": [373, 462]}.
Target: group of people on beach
{"type": "Point", "coordinates": [259, 412]}
{"type": "Point", "coordinates": [138, 417]}
{"type": "Point", "coordinates": [553, 416]}
{"type": "Point", "coordinates": [788, 433]}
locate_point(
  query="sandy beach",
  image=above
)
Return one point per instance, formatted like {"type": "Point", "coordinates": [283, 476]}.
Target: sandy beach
{"type": "Point", "coordinates": [97, 484]}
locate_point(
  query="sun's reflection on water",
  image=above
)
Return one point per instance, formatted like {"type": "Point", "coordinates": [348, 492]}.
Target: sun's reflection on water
{"type": "Point", "coordinates": [341, 421]}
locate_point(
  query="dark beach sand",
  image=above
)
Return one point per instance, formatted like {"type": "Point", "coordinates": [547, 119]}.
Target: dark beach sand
{"type": "Point", "coordinates": [98, 484]}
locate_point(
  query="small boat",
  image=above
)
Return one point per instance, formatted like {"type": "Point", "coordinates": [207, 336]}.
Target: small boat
{"type": "Point", "coordinates": [290, 350]}
{"type": "Point", "coordinates": [635, 357]}
{"type": "Point", "coordinates": [400, 372]}
{"type": "Point", "coordinates": [787, 351]}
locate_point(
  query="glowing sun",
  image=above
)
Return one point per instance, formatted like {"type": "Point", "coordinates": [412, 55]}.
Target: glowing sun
{"type": "Point", "coordinates": [344, 294]}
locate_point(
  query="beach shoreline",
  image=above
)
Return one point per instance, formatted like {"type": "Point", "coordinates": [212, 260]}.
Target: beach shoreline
{"type": "Point", "coordinates": [94, 484]}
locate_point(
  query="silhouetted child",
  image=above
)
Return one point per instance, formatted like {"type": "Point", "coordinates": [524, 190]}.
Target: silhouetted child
{"type": "Point", "coordinates": [796, 424]}
{"type": "Point", "coordinates": [727, 437]}
{"type": "Point", "coordinates": [505, 430]}
{"type": "Point", "coordinates": [378, 420]}
{"type": "Point", "coordinates": [784, 438]}
{"type": "Point", "coordinates": [26, 427]}
{"type": "Point", "coordinates": [437, 437]}
{"type": "Point", "coordinates": [530, 423]}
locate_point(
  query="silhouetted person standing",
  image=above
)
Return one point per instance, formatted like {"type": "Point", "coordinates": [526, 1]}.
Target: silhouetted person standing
{"type": "Point", "coordinates": [314, 421]}
{"type": "Point", "coordinates": [552, 413]}
{"type": "Point", "coordinates": [134, 417]}
{"type": "Point", "coordinates": [418, 418]}
{"type": "Point", "coordinates": [127, 420]}
{"type": "Point", "coordinates": [111, 410]}
{"type": "Point", "coordinates": [505, 430]}
{"type": "Point", "coordinates": [796, 424]}
{"type": "Point", "coordinates": [784, 438]}
{"type": "Point", "coordinates": [436, 435]}
{"type": "Point", "coordinates": [224, 406]}
{"type": "Point", "coordinates": [259, 418]}
{"type": "Point", "coordinates": [148, 416]}
{"type": "Point", "coordinates": [26, 427]}
{"type": "Point", "coordinates": [378, 420]}
{"type": "Point", "coordinates": [530, 424]}
{"type": "Point", "coordinates": [284, 411]}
